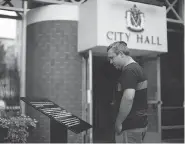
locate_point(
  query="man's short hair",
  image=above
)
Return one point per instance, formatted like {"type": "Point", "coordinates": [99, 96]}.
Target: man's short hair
{"type": "Point", "coordinates": [119, 46]}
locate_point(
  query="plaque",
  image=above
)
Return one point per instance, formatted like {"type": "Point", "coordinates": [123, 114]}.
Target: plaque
{"type": "Point", "coordinates": [58, 114]}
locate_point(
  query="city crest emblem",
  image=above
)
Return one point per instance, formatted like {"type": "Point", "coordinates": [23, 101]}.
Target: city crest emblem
{"type": "Point", "coordinates": [135, 19]}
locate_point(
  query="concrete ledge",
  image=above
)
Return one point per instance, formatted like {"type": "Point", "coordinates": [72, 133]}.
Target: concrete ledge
{"type": "Point", "coordinates": [53, 12]}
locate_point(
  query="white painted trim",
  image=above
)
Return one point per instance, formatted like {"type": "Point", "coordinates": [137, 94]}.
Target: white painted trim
{"type": "Point", "coordinates": [170, 140]}
{"type": "Point", "coordinates": [172, 108]}
{"type": "Point", "coordinates": [171, 7]}
{"type": "Point", "coordinates": [90, 89]}
{"type": "Point", "coordinates": [53, 12]}
{"type": "Point", "coordinates": [23, 58]}
{"type": "Point", "coordinates": [50, 1]}
{"type": "Point", "coordinates": [60, 1]}
{"type": "Point", "coordinates": [173, 127]}
{"type": "Point", "coordinates": [175, 21]}
{"type": "Point", "coordinates": [11, 8]}
{"type": "Point", "coordinates": [154, 102]}
{"type": "Point", "coordinates": [159, 96]}
{"type": "Point", "coordinates": [84, 96]}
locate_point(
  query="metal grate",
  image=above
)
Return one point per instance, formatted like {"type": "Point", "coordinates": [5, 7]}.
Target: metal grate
{"type": "Point", "coordinates": [174, 11]}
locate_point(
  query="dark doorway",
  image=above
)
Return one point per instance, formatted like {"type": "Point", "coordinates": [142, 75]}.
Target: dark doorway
{"type": "Point", "coordinates": [104, 78]}
{"type": "Point", "coordinates": [172, 71]}
{"type": "Point", "coordinates": [172, 89]}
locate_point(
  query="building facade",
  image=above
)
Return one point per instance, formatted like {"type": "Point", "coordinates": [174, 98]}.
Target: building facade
{"type": "Point", "coordinates": [63, 58]}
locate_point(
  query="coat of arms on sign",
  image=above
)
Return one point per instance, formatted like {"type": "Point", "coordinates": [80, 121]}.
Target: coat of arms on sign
{"type": "Point", "coordinates": [135, 19]}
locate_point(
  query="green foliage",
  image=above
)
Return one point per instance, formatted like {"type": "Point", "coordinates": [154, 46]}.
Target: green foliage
{"type": "Point", "coordinates": [18, 128]}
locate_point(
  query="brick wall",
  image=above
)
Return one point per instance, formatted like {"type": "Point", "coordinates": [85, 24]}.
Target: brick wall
{"type": "Point", "coordinates": [53, 71]}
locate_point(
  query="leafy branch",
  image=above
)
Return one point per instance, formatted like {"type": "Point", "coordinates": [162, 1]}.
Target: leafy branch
{"type": "Point", "coordinates": [18, 128]}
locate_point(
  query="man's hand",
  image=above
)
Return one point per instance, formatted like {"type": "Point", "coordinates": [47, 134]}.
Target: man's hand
{"type": "Point", "coordinates": [118, 127]}
{"type": "Point", "coordinates": [125, 108]}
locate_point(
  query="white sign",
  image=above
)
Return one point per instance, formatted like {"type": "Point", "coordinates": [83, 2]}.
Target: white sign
{"type": "Point", "coordinates": [143, 27]}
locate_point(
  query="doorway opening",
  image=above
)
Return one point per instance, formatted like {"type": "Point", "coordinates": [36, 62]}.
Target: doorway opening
{"type": "Point", "coordinates": [104, 78]}
{"type": "Point", "coordinates": [104, 86]}
{"type": "Point", "coordinates": [172, 89]}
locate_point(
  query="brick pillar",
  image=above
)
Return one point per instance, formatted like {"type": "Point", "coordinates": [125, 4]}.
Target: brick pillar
{"type": "Point", "coordinates": [53, 65]}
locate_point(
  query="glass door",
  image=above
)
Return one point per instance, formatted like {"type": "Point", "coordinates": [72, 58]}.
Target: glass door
{"type": "Point", "coordinates": [152, 69]}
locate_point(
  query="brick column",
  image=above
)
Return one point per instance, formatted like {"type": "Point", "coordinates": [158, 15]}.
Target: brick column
{"type": "Point", "coordinates": [53, 65]}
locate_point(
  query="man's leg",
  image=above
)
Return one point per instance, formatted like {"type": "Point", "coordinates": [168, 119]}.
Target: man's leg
{"type": "Point", "coordinates": [134, 137]}
{"type": "Point", "coordinates": [131, 136]}
{"type": "Point", "coordinates": [121, 138]}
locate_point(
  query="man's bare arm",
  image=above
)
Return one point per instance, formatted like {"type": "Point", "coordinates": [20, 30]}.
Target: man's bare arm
{"type": "Point", "coordinates": [125, 105]}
